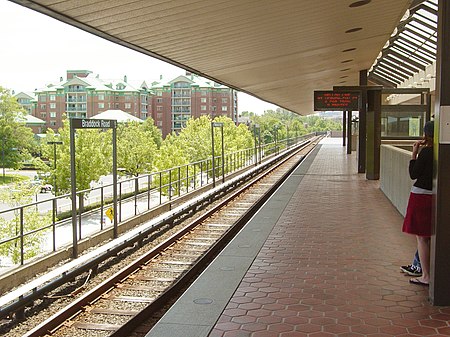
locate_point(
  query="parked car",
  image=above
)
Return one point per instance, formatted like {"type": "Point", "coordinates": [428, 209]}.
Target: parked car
{"type": "Point", "coordinates": [46, 188]}
{"type": "Point", "coordinates": [42, 188]}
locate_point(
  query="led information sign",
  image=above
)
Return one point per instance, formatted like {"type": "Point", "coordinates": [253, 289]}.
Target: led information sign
{"type": "Point", "coordinates": [336, 101]}
{"type": "Point", "coordinates": [93, 123]}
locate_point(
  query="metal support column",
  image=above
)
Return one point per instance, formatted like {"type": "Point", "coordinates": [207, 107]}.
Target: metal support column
{"type": "Point", "coordinates": [349, 132]}
{"type": "Point", "coordinates": [440, 248]}
{"type": "Point", "coordinates": [73, 192]}
{"type": "Point", "coordinates": [344, 127]}
{"type": "Point", "coordinates": [373, 142]}
{"type": "Point", "coordinates": [362, 124]}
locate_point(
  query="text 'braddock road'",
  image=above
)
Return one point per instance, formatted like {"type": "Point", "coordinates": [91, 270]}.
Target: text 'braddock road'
{"type": "Point", "coordinates": [93, 123]}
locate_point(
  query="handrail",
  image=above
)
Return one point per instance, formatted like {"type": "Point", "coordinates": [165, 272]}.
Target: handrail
{"type": "Point", "coordinates": [154, 189]}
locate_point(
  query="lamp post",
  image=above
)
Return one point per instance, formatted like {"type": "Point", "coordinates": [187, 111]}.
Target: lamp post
{"type": "Point", "coordinates": [3, 157]}
{"type": "Point", "coordinates": [256, 127]}
{"type": "Point", "coordinates": [276, 138]}
{"type": "Point", "coordinates": [219, 125]}
{"type": "Point", "coordinates": [287, 136]}
{"type": "Point", "coordinates": [54, 143]}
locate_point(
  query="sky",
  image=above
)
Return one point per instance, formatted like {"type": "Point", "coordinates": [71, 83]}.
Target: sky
{"type": "Point", "coordinates": [36, 50]}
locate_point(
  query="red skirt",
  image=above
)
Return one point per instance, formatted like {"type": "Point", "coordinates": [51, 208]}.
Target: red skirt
{"type": "Point", "coordinates": [418, 215]}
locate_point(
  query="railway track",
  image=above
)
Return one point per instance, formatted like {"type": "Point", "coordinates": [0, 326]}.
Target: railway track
{"type": "Point", "coordinates": [122, 302]}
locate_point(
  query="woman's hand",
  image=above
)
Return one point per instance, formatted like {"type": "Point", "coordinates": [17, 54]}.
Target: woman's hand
{"type": "Point", "coordinates": [416, 147]}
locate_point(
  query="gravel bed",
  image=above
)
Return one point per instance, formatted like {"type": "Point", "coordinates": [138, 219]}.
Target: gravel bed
{"type": "Point", "coordinates": [73, 332]}
{"type": "Point", "coordinates": [55, 303]}
{"type": "Point", "coordinates": [62, 297]}
{"type": "Point", "coordinates": [115, 305]}
{"type": "Point", "coordinates": [103, 319]}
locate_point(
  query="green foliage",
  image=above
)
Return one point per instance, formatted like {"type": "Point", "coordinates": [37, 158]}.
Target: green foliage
{"type": "Point", "coordinates": [291, 125]}
{"type": "Point", "coordinates": [16, 140]}
{"type": "Point", "coordinates": [93, 150]}
{"type": "Point", "coordinates": [194, 143]}
{"type": "Point", "coordinates": [150, 127]}
{"type": "Point", "coordinates": [137, 144]}
{"type": "Point", "coordinates": [12, 178]}
{"type": "Point", "coordinates": [19, 194]}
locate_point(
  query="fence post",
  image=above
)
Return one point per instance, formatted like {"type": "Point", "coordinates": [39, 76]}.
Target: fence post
{"type": "Point", "coordinates": [21, 237]}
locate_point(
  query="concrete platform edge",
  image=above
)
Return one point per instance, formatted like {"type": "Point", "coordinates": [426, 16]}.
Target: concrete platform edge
{"type": "Point", "coordinates": [198, 309]}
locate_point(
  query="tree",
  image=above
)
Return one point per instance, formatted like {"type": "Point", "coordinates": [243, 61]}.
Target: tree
{"type": "Point", "coordinates": [93, 152]}
{"type": "Point", "coordinates": [16, 195]}
{"type": "Point", "coordinates": [170, 155]}
{"type": "Point", "coordinates": [150, 127]}
{"type": "Point", "coordinates": [136, 148]}
{"type": "Point", "coordinates": [16, 140]}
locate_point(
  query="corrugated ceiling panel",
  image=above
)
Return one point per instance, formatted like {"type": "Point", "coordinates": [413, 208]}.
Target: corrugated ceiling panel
{"type": "Point", "coordinates": [279, 51]}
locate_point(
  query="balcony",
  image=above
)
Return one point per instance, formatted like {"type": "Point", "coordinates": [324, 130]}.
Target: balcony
{"type": "Point", "coordinates": [76, 100]}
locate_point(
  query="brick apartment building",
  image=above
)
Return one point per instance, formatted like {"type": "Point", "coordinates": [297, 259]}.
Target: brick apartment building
{"type": "Point", "coordinates": [170, 103]}
{"type": "Point", "coordinates": [186, 96]}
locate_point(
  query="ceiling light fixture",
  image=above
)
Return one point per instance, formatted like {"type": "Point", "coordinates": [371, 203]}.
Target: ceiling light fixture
{"type": "Point", "coordinates": [352, 30]}
{"type": "Point", "coordinates": [359, 3]}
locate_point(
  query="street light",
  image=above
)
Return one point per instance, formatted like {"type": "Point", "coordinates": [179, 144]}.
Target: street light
{"type": "Point", "coordinates": [3, 156]}
{"type": "Point", "coordinates": [256, 127]}
{"type": "Point", "coordinates": [219, 125]}
{"type": "Point", "coordinates": [54, 143]}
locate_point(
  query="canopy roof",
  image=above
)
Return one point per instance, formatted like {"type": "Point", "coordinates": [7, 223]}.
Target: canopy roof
{"type": "Point", "coordinates": [118, 115]}
{"type": "Point", "coordinates": [280, 51]}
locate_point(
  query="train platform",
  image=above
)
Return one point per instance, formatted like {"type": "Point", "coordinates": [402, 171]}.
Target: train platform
{"type": "Point", "coordinates": [321, 258]}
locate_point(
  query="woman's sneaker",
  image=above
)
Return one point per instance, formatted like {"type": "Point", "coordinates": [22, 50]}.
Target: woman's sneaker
{"type": "Point", "coordinates": [411, 270]}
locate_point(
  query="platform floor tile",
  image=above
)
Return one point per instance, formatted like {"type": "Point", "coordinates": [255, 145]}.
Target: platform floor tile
{"type": "Point", "coordinates": [330, 266]}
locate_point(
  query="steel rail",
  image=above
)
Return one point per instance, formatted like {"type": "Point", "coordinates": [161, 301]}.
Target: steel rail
{"type": "Point", "coordinates": [27, 297]}
{"type": "Point", "coordinates": [77, 306]}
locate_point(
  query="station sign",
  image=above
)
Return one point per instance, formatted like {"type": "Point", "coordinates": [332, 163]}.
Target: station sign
{"type": "Point", "coordinates": [336, 101]}
{"type": "Point", "coordinates": [217, 124]}
{"type": "Point", "coordinates": [85, 123]}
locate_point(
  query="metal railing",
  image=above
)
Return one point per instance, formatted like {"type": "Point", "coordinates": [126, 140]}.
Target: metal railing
{"type": "Point", "coordinates": [135, 195]}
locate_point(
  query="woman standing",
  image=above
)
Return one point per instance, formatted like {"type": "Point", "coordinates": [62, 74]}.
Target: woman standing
{"type": "Point", "coordinates": [418, 213]}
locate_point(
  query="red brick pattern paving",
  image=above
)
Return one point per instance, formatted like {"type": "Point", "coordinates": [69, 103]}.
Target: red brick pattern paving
{"type": "Point", "coordinates": [331, 266]}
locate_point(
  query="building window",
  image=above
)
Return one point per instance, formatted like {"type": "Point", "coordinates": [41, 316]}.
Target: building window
{"type": "Point", "coordinates": [159, 108]}
{"type": "Point", "coordinates": [42, 98]}
{"type": "Point", "coordinates": [214, 108]}
{"type": "Point", "coordinates": [127, 98]}
{"type": "Point", "coordinates": [159, 93]}
{"type": "Point", "coordinates": [203, 99]}
{"type": "Point", "coordinates": [203, 92]}
{"type": "Point", "coordinates": [159, 116]}
{"type": "Point", "coordinates": [101, 105]}
{"type": "Point", "coordinates": [127, 105]}
{"type": "Point", "coordinates": [52, 123]}
{"type": "Point", "coordinates": [52, 97]}
{"type": "Point", "coordinates": [116, 105]}
{"type": "Point", "coordinates": [52, 105]}
{"type": "Point", "coordinates": [101, 97]}
{"type": "Point", "coordinates": [159, 123]}
{"type": "Point", "coordinates": [43, 114]}
{"type": "Point", "coordinates": [43, 106]}
{"type": "Point", "coordinates": [52, 114]}
{"type": "Point", "coordinates": [224, 100]}
{"type": "Point", "coordinates": [224, 108]}
{"type": "Point", "coordinates": [203, 107]}
{"type": "Point", "coordinates": [159, 100]}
